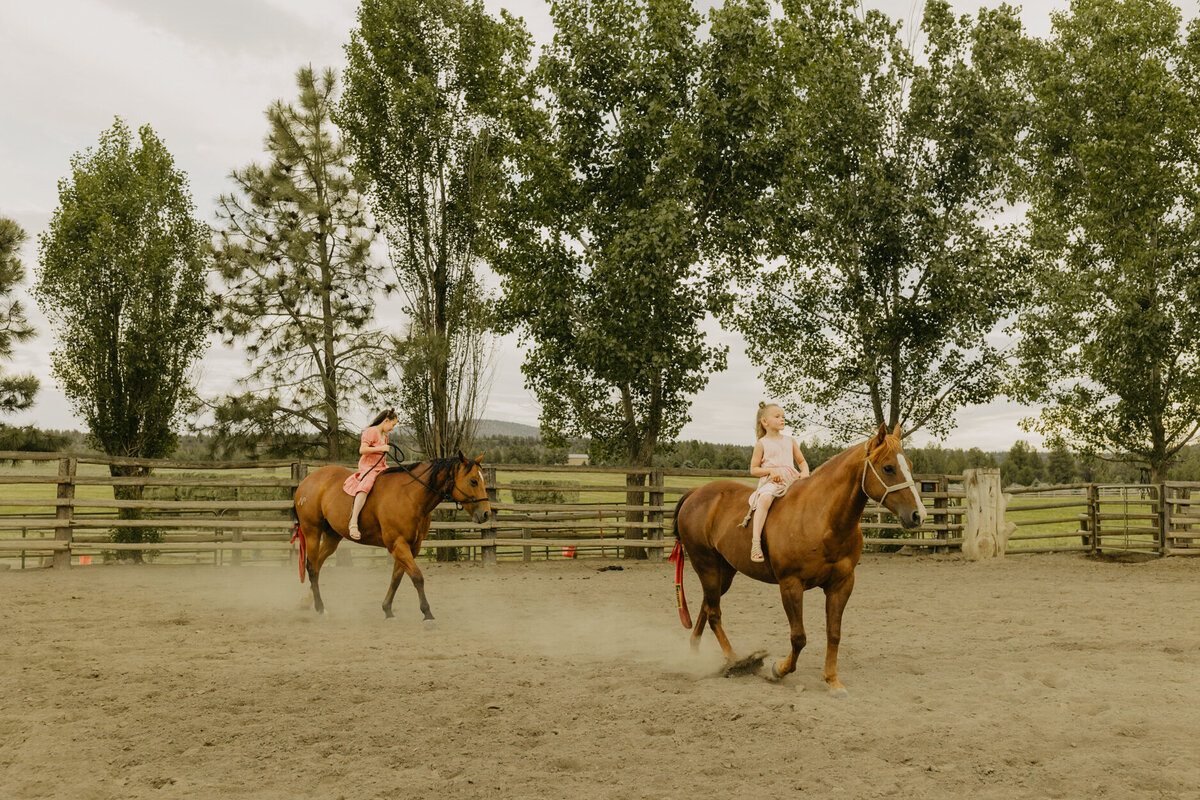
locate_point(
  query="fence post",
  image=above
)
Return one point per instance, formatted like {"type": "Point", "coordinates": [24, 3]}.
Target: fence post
{"type": "Point", "coordinates": [64, 514]}
{"type": "Point", "coordinates": [985, 533]}
{"type": "Point", "coordinates": [1164, 524]}
{"type": "Point", "coordinates": [942, 503]}
{"type": "Point", "coordinates": [1093, 518]}
{"type": "Point", "coordinates": [656, 516]}
{"type": "Point", "coordinates": [488, 552]}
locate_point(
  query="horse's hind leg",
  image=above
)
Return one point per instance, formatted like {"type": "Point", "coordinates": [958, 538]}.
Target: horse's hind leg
{"type": "Point", "coordinates": [405, 564]}
{"type": "Point", "coordinates": [791, 589]}
{"type": "Point", "coordinates": [715, 583]}
{"type": "Point", "coordinates": [726, 578]}
{"type": "Point", "coordinates": [327, 544]}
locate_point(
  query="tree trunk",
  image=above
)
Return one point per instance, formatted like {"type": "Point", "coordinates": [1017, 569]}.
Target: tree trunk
{"type": "Point", "coordinates": [131, 493]}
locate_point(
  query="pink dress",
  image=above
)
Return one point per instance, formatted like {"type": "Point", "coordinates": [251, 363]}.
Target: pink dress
{"type": "Point", "coordinates": [369, 465]}
{"type": "Point", "coordinates": [777, 454]}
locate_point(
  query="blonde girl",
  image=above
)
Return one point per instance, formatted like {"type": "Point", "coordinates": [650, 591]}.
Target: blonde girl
{"type": "Point", "coordinates": [772, 465]}
{"type": "Point", "coordinates": [372, 461]}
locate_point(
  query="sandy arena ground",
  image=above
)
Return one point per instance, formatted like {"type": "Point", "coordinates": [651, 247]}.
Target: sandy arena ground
{"type": "Point", "coordinates": [1030, 677]}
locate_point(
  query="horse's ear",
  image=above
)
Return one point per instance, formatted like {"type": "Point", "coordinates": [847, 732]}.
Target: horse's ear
{"type": "Point", "coordinates": [896, 432]}
{"type": "Point", "coordinates": [479, 460]}
{"type": "Point", "coordinates": [878, 439]}
{"type": "Point", "coordinates": [462, 458]}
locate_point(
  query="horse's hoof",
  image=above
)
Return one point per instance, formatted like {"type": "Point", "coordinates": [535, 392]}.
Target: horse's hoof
{"type": "Point", "coordinates": [387, 613]}
{"type": "Point", "coordinates": [774, 677]}
{"type": "Point", "coordinates": [429, 624]}
{"type": "Point", "coordinates": [839, 693]}
{"type": "Point", "coordinates": [306, 601]}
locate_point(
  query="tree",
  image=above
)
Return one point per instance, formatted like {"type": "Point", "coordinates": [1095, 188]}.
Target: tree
{"type": "Point", "coordinates": [16, 391]}
{"type": "Point", "coordinates": [1022, 466]}
{"type": "Point", "coordinates": [299, 286]}
{"type": "Point", "coordinates": [432, 89]}
{"type": "Point", "coordinates": [601, 270]}
{"type": "Point", "coordinates": [1111, 343]}
{"type": "Point", "coordinates": [122, 278]}
{"type": "Point", "coordinates": [1060, 466]}
{"type": "Point", "coordinates": [861, 185]}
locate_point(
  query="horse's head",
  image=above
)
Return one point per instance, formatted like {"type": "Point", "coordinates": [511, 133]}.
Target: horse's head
{"type": "Point", "coordinates": [469, 488]}
{"type": "Point", "coordinates": [887, 478]}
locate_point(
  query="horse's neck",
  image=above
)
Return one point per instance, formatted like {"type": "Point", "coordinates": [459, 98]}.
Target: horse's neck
{"type": "Point", "coordinates": [840, 480]}
{"type": "Point", "coordinates": [433, 498]}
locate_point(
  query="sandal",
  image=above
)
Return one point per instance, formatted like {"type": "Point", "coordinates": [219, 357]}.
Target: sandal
{"type": "Point", "coordinates": [756, 553]}
{"type": "Point", "coordinates": [355, 533]}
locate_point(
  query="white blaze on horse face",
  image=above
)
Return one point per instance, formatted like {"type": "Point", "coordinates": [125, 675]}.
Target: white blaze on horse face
{"type": "Point", "coordinates": [903, 462]}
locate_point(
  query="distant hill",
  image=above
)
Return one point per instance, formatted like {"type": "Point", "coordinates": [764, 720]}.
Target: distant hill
{"type": "Point", "coordinates": [496, 427]}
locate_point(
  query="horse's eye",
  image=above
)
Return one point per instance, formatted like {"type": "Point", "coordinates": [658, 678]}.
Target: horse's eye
{"type": "Point", "coordinates": [889, 469]}
{"type": "Point", "coordinates": [474, 482]}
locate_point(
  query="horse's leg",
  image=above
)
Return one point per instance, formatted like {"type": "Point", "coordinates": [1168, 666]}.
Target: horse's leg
{"type": "Point", "coordinates": [328, 543]}
{"type": "Point", "coordinates": [835, 603]}
{"type": "Point", "coordinates": [791, 589]}
{"type": "Point", "coordinates": [701, 621]}
{"type": "Point", "coordinates": [405, 564]}
{"type": "Point", "coordinates": [715, 583]}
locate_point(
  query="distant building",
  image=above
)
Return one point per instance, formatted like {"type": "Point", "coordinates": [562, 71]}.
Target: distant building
{"type": "Point", "coordinates": [577, 460]}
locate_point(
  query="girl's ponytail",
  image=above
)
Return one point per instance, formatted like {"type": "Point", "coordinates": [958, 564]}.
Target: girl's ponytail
{"type": "Point", "coordinates": [759, 430]}
{"type": "Point", "coordinates": [385, 414]}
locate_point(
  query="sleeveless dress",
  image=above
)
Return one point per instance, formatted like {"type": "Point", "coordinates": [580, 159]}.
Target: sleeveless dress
{"type": "Point", "coordinates": [777, 454]}
{"type": "Point", "coordinates": [369, 464]}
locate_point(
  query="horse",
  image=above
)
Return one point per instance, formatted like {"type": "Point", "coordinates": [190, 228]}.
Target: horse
{"type": "Point", "coordinates": [395, 516]}
{"type": "Point", "coordinates": [811, 538]}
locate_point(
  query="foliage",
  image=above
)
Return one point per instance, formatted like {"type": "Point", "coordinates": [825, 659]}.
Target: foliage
{"type": "Point", "coordinates": [299, 288]}
{"type": "Point", "coordinates": [600, 268]}
{"type": "Point", "coordinates": [533, 491]}
{"type": "Point", "coordinates": [861, 184]}
{"type": "Point", "coordinates": [122, 279]}
{"type": "Point", "coordinates": [518, 450]}
{"type": "Point", "coordinates": [1111, 344]}
{"type": "Point", "coordinates": [29, 439]}
{"type": "Point", "coordinates": [16, 391]}
{"type": "Point", "coordinates": [1022, 466]}
{"type": "Point", "coordinates": [1060, 465]}
{"type": "Point", "coordinates": [432, 92]}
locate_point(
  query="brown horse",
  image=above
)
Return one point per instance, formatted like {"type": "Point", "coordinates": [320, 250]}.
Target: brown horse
{"type": "Point", "coordinates": [395, 517]}
{"type": "Point", "coordinates": [811, 538]}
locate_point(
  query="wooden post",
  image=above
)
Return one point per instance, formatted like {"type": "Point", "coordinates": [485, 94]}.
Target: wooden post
{"type": "Point", "coordinates": [1093, 510]}
{"type": "Point", "coordinates": [1164, 523]}
{"type": "Point", "coordinates": [656, 500]}
{"type": "Point", "coordinates": [65, 513]}
{"type": "Point", "coordinates": [943, 502]}
{"type": "Point", "coordinates": [635, 496]}
{"type": "Point", "coordinates": [488, 552]}
{"type": "Point", "coordinates": [237, 532]}
{"type": "Point", "coordinates": [527, 551]}
{"type": "Point", "coordinates": [985, 533]}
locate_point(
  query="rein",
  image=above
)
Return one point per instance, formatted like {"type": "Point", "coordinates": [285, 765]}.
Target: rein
{"type": "Point", "coordinates": [459, 504]}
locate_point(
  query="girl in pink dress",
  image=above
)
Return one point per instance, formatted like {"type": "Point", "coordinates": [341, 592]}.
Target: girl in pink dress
{"type": "Point", "coordinates": [772, 465]}
{"type": "Point", "coordinates": [373, 460]}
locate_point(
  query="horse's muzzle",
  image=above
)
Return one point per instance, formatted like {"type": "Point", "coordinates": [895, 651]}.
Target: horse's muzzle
{"type": "Point", "coordinates": [481, 516]}
{"type": "Point", "coordinates": [910, 519]}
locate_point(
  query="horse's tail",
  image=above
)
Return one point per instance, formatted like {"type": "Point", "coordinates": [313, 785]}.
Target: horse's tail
{"type": "Point", "coordinates": [299, 534]}
{"type": "Point", "coordinates": [677, 558]}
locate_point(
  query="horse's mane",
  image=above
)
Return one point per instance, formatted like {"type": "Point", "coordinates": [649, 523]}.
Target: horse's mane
{"type": "Point", "coordinates": [440, 470]}
{"type": "Point", "coordinates": [890, 446]}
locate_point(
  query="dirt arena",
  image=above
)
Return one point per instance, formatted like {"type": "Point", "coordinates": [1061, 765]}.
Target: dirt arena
{"type": "Point", "coordinates": [1034, 676]}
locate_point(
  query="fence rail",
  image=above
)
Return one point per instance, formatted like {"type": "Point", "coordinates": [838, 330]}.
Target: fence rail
{"type": "Point", "coordinates": [57, 508]}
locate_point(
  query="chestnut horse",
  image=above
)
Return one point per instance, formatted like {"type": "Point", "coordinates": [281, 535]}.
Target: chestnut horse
{"type": "Point", "coordinates": [811, 538]}
{"type": "Point", "coordinates": [395, 517]}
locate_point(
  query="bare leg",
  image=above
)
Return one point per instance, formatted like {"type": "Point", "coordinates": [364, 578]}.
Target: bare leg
{"type": "Point", "coordinates": [360, 500]}
{"type": "Point", "coordinates": [835, 603]}
{"type": "Point", "coordinates": [760, 519]}
{"type": "Point", "coordinates": [791, 589]}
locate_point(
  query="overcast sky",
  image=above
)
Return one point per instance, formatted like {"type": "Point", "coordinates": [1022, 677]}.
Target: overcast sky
{"type": "Point", "coordinates": [202, 74]}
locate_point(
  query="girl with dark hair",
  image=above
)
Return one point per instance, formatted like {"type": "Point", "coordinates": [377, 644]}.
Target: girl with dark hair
{"type": "Point", "coordinates": [373, 451]}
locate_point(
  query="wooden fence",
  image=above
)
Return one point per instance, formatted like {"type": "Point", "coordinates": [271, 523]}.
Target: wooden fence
{"type": "Point", "coordinates": [61, 509]}
{"type": "Point", "coordinates": [58, 509]}
{"type": "Point", "coordinates": [1161, 519]}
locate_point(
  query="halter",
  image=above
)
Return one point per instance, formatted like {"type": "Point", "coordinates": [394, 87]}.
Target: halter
{"type": "Point", "coordinates": [459, 504]}
{"type": "Point", "coordinates": [888, 488]}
